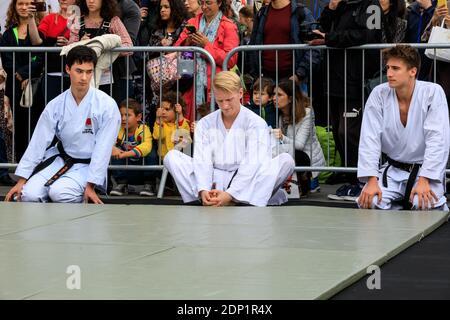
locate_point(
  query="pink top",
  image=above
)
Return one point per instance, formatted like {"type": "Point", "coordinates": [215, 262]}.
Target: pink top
{"type": "Point", "coordinates": [117, 27]}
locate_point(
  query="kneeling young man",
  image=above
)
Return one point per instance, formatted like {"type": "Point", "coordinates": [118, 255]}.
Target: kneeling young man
{"type": "Point", "coordinates": [407, 120]}
{"type": "Point", "coordinates": [86, 121]}
{"type": "Point", "coordinates": [232, 160]}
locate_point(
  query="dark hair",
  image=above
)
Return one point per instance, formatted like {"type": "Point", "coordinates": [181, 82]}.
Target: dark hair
{"type": "Point", "coordinates": [109, 10]}
{"type": "Point", "coordinates": [224, 7]}
{"type": "Point", "coordinates": [301, 101]}
{"type": "Point", "coordinates": [406, 53]}
{"type": "Point", "coordinates": [171, 97]}
{"type": "Point", "coordinates": [81, 54]}
{"type": "Point", "coordinates": [132, 105]}
{"type": "Point", "coordinates": [204, 109]}
{"type": "Point", "coordinates": [178, 13]}
{"type": "Point", "coordinates": [397, 9]}
{"type": "Point", "coordinates": [266, 83]}
{"type": "Point", "coordinates": [247, 12]}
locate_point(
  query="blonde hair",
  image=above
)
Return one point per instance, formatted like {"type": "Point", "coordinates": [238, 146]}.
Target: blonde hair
{"type": "Point", "coordinates": [228, 81]}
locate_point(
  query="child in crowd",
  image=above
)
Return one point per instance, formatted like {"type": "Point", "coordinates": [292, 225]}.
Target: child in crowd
{"type": "Point", "coordinates": [202, 110]}
{"type": "Point", "coordinates": [262, 97]}
{"type": "Point", "coordinates": [133, 147]}
{"type": "Point", "coordinates": [165, 127]}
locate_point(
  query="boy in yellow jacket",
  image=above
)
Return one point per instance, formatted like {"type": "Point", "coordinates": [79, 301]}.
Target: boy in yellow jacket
{"type": "Point", "coordinates": [133, 147]}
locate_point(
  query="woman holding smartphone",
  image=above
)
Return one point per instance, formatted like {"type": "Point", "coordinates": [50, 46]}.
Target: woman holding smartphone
{"type": "Point", "coordinates": [168, 27]}
{"type": "Point", "coordinates": [216, 34]}
{"type": "Point", "coordinates": [54, 31]}
{"type": "Point", "coordinates": [21, 31]}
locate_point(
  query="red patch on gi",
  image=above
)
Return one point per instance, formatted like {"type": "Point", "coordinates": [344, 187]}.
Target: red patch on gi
{"type": "Point", "coordinates": [88, 126]}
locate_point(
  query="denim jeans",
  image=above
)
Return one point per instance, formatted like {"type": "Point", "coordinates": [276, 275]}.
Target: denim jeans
{"type": "Point", "coordinates": [137, 176]}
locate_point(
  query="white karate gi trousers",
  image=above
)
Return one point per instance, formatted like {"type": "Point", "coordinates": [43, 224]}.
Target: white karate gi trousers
{"type": "Point", "coordinates": [396, 186]}
{"type": "Point", "coordinates": [68, 188]}
{"type": "Point", "coordinates": [265, 189]}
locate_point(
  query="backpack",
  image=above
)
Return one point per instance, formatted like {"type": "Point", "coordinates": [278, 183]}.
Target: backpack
{"type": "Point", "coordinates": [104, 28]}
{"type": "Point", "coordinates": [323, 134]}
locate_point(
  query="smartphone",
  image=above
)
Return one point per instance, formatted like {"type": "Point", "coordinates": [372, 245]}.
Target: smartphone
{"type": "Point", "coordinates": [441, 3]}
{"type": "Point", "coordinates": [191, 28]}
{"type": "Point", "coordinates": [144, 3]}
{"type": "Point", "coordinates": [40, 6]}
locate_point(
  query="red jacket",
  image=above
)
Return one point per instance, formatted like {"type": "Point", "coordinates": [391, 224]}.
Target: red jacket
{"type": "Point", "coordinates": [227, 38]}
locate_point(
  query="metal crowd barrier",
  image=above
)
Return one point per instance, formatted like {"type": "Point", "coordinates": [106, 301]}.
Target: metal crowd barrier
{"type": "Point", "coordinates": [293, 47]}
{"type": "Point", "coordinates": [241, 49]}
{"type": "Point", "coordinates": [161, 50]}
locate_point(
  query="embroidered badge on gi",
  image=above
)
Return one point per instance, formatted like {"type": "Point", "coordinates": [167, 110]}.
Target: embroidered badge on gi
{"type": "Point", "coordinates": [88, 126]}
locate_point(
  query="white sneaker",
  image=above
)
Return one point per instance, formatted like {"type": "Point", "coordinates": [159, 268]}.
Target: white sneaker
{"type": "Point", "coordinates": [148, 191]}
{"type": "Point", "coordinates": [341, 192]}
{"type": "Point", "coordinates": [119, 190]}
{"type": "Point", "coordinates": [315, 186]}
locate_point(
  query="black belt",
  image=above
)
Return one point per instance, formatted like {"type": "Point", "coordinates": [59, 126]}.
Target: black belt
{"type": "Point", "coordinates": [413, 169]}
{"type": "Point", "coordinates": [68, 163]}
{"type": "Point", "coordinates": [229, 184]}
{"type": "Point", "coordinates": [234, 175]}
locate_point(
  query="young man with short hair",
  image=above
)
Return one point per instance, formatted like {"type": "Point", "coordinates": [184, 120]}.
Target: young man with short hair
{"type": "Point", "coordinates": [86, 121]}
{"type": "Point", "coordinates": [232, 155]}
{"type": "Point", "coordinates": [407, 120]}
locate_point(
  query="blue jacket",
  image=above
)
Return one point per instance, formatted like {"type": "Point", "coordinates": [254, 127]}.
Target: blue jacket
{"type": "Point", "coordinates": [302, 57]}
{"type": "Point", "coordinates": [315, 6]}
{"type": "Point", "coordinates": [268, 112]}
{"type": "Point", "coordinates": [418, 21]}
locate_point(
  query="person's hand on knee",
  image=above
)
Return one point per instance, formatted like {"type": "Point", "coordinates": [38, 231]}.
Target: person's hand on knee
{"type": "Point", "coordinates": [426, 198]}
{"type": "Point", "coordinates": [370, 190]}
{"type": "Point", "coordinates": [91, 195]}
{"type": "Point", "coordinates": [16, 190]}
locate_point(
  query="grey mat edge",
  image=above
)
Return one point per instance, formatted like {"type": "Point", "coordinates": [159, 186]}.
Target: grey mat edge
{"type": "Point", "coordinates": [100, 210]}
{"type": "Point", "coordinates": [390, 255]}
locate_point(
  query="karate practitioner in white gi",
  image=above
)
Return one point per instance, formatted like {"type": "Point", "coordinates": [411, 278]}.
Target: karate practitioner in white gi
{"type": "Point", "coordinates": [86, 121]}
{"type": "Point", "coordinates": [232, 160]}
{"type": "Point", "coordinates": [407, 120]}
